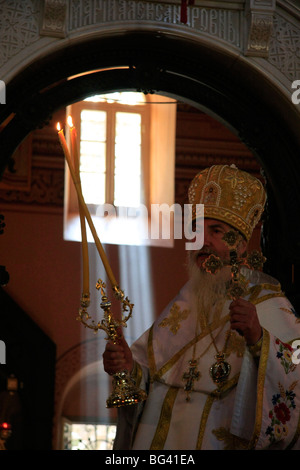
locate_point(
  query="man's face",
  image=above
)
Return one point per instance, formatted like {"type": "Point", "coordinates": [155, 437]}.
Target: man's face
{"type": "Point", "coordinates": [214, 231]}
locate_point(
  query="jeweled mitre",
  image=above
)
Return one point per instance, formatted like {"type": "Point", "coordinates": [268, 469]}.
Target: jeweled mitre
{"type": "Point", "coordinates": [230, 195]}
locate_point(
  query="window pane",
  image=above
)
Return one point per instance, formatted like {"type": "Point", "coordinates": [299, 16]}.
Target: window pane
{"type": "Point", "coordinates": [129, 164]}
{"type": "Point", "coordinates": [92, 164]}
{"type": "Point", "coordinates": [92, 148]}
{"type": "Point", "coordinates": [127, 191]}
{"type": "Point", "coordinates": [127, 160]}
{"type": "Point", "coordinates": [93, 125]}
{"type": "Point", "coordinates": [92, 155]}
{"type": "Point", "coordinates": [128, 127]}
{"type": "Point", "coordinates": [93, 187]}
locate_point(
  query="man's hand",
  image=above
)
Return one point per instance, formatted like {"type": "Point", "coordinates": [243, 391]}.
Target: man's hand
{"type": "Point", "coordinates": [243, 317]}
{"type": "Point", "coordinates": [117, 357]}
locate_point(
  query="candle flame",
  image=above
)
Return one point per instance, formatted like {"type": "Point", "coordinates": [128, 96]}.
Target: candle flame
{"type": "Point", "coordinates": [70, 121]}
{"type": "Point", "coordinates": [58, 126]}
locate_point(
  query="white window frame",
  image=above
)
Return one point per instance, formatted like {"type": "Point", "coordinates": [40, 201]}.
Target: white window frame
{"type": "Point", "coordinates": [111, 109]}
{"type": "Point", "coordinates": [158, 177]}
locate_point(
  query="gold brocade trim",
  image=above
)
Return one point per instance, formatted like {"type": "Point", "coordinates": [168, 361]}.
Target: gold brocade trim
{"type": "Point", "coordinates": [215, 395]}
{"type": "Point", "coordinates": [231, 442]}
{"type": "Point", "coordinates": [228, 217]}
{"type": "Point", "coordinates": [288, 310]}
{"type": "Point", "coordinates": [267, 297]}
{"type": "Point", "coordinates": [158, 374]}
{"type": "Point", "coordinates": [260, 388]}
{"type": "Point", "coordinates": [163, 425]}
{"type": "Point", "coordinates": [236, 344]}
{"type": "Point", "coordinates": [255, 291]}
{"type": "Point", "coordinates": [204, 417]}
{"type": "Point", "coordinates": [255, 349]}
{"type": "Point", "coordinates": [151, 358]}
{"type": "Point", "coordinates": [137, 373]}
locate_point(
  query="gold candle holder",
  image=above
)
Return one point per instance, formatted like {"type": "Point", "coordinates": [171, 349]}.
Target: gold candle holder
{"type": "Point", "coordinates": [125, 392]}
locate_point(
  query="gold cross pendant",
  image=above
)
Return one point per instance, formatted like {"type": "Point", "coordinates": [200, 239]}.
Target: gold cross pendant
{"type": "Point", "coordinates": [190, 376]}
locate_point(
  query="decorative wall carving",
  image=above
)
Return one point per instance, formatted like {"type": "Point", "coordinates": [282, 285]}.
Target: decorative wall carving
{"type": "Point", "coordinates": [284, 48]}
{"type": "Point", "coordinates": [260, 27]}
{"type": "Point", "coordinates": [259, 35]}
{"type": "Point", "coordinates": [37, 176]}
{"type": "Point", "coordinates": [53, 18]}
{"type": "Point", "coordinates": [47, 189]}
{"type": "Point", "coordinates": [19, 26]}
{"type": "Point", "coordinates": [222, 23]}
{"type": "Point", "coordinates": [17, 175]}
{"type": "Point", "coordinates": [257, 28]}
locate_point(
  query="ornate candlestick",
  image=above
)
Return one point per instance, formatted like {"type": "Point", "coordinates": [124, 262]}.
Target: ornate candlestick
{"type": "Point", "coordinates": [124, 391]}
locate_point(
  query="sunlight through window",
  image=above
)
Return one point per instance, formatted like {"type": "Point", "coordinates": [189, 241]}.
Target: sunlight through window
{"type": "Point", "coordinates": [127, 178]}
{"type": "Point", "coordinates": [93, 155]}
{"type": "Point", "coordinates": [126, 142]}
{"type": "Point", "coordinates": [124, 97]}
{"type": "Point", "coordinates": [112, 173]}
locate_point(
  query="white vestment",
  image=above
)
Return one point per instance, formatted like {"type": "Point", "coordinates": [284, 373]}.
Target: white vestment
{"type": "Point", "coordinates": [257, 408]}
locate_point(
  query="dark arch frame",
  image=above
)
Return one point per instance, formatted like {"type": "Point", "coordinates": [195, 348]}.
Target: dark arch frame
{"type": "Point", "coordinates": [214, 80]}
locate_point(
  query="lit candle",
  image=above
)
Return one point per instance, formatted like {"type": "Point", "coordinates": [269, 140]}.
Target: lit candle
{"type": "Point", "coordinates": [73, 134]}
{"type": "Point", "coordinates": [84, 243]}
{"type": "Point", "coordinates": [84, 207]}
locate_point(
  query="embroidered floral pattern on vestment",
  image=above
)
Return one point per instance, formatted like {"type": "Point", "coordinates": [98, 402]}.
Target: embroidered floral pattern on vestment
{"type": "Point", "coordinates": [285, 353]}
{"type": "Point", "coordinates": [280, 414]}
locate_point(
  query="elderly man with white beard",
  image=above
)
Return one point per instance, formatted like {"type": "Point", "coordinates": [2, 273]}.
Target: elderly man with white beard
{"type": "Point", "coordinates": [216, 365]}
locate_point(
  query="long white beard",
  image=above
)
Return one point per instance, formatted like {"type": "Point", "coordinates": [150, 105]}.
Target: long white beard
{"type": "Point", "coordinates": [208, 291]}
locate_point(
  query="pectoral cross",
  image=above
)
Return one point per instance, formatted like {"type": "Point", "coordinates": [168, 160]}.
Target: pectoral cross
{"type": "Point", "coordinates": [190, 377]}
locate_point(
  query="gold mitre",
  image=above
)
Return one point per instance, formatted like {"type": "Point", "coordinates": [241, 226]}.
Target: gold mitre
{"type": "Point", "coordinates": [230, 195]}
